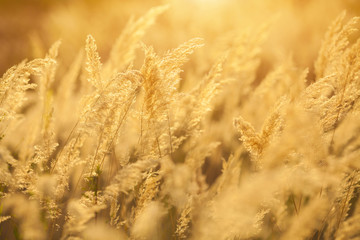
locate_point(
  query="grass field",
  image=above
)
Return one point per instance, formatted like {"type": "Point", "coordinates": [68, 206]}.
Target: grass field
{"type": "Point", "coordinates": [179, 119]}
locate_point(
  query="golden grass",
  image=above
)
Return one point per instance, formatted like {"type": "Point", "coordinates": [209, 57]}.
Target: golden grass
{"type": "Point", "coordinates": [247, 128]}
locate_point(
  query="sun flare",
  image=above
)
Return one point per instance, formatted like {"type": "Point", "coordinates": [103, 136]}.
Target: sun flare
{"type": "Point", "coordinates": [179, 119]}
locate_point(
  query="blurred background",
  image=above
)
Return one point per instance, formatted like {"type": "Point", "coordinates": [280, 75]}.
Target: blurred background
{"type": "Point", "coordinates": [29, 27]}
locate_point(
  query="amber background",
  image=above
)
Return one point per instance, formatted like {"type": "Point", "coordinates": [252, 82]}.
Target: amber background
{"type": "Point", "coordinates": [296, 25]}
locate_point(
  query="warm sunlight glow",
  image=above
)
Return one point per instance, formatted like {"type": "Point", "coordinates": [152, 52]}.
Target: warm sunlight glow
{"type": "Point", "coordinates": [180, 119]}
